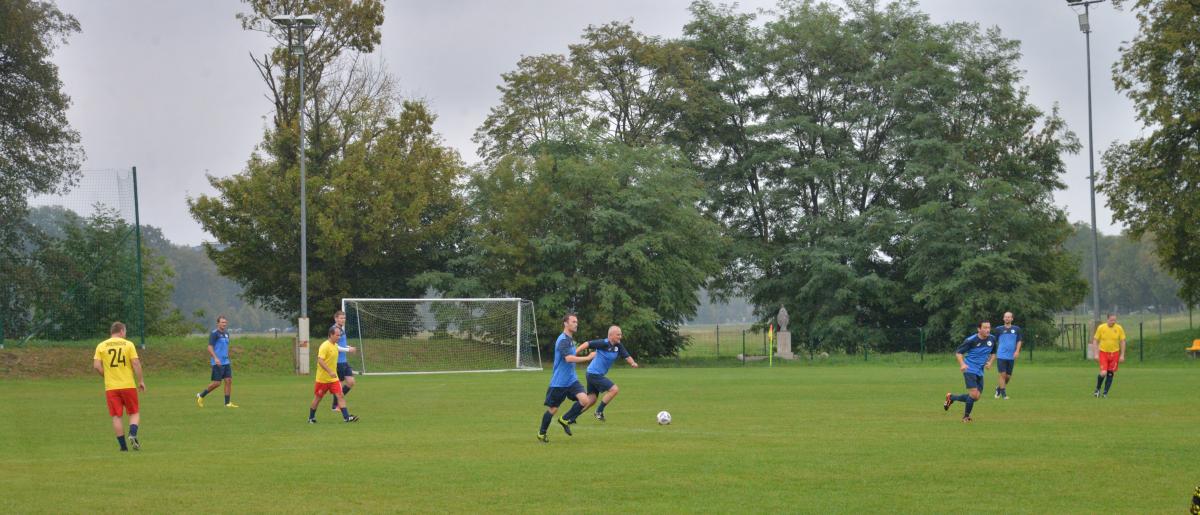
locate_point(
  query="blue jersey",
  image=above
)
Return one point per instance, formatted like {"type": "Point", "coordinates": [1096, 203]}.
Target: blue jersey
{"type": "Point", "coordinates": [219, 340]}
{"type": "Point", "coordinates": [341, 343]}
{"type": "Point", "coordinates": [564, 371]}
{"type": "Point", "coordinates": [976, 351]}
{"type": "Point", "coordinates": [1008, 338]}
{"type": "Point", "coordinates": [606, 354]}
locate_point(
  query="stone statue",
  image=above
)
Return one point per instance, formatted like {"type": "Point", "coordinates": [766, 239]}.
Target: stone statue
{"type": "Point", "coordinates": [782, 318]}
{"type": "Point", "coordinates": [783, 337]}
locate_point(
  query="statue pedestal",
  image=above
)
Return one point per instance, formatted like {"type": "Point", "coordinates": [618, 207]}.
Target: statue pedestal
{"type": "Point", "coordinates": [784, 341]}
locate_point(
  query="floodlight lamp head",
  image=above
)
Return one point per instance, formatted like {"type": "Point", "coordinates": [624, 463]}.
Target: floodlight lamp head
{"type": "Point", "coordinates": [1084, 25]}
{"type": "Point", "coordinates": [284, 20]}
{"type": "Point", "coordinates": [306, 20]}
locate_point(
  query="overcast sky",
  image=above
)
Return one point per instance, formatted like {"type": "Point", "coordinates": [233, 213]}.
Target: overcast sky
{"type": "Point", "coordinates": [168, 86]}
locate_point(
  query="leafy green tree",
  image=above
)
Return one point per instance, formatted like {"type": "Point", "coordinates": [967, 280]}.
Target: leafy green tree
{"type": "Point", "coordinates": [1153, 182]}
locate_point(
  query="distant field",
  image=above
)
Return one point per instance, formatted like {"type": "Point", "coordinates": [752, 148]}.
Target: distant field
{"type": "Point", "coordinates": [866, 438]}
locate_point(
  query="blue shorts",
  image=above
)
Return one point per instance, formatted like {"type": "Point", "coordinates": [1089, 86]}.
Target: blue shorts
{"type": "Point", "coordinates": [556, 394]}
{"type": "Point", "coordinates": [598, 384]}
{"type": "Point", "coordinates": [1005, 366]}
{"type": "Point", "coordinates": [220, 372]}
{"type": "Point", "coordinates": [344, 371]}
{"type": "Point", "coordinates": [973, 381]}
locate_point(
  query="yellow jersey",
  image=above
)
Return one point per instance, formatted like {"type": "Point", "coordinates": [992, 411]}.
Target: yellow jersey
{"type": "Point", "coordinates": [116, 357]}
{"type": "Point", "coordinates": [1110, 337]}
{"type": "Point", "coordinates": [328, 353]}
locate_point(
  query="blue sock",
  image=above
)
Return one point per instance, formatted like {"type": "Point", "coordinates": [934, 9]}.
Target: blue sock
{"type": "Point", "coordinates": [121, 440]}
{"type": "Point", "coordinates": [345, 391]}
{"type": "Point", "coordinates": [1108, 379]}
{"type": "Point", "coordinates": [203, 394]}
{"type": "Point", "coordinates": [345, 413]}
{"type": "Point", "coordinates": [600, 408]}
{"type": "Point", "coordinates": [962, 397]}
{"type": "Point", "coordinates": [574, 412]}
{"type": "Point", "coordinates": [133, 430]}
{"type": "Point", "coordinates": [1099, 381]}
{"type": "Point", "coordinates": [546, 418]}
{"type": "Point", "coordinates": [312, 414]}
{"type": "Point", "coordinates": [226, 399]}
{"type": "Point", "coordinates": [970, 404]}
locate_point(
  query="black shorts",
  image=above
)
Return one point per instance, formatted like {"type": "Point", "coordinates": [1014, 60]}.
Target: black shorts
{"type": "Point", "coordinates": [598, 384]}
{"type": "Point", "coordinates": [220, 372]}
{"type": "Point", "coordinates": [344, 371]}
{"type": "Point", "coordinates": [556, 394]}
{"type": "Point", "coordinates": [1005, 366]}
{"type": "Point", "coordinates": [973, 381]}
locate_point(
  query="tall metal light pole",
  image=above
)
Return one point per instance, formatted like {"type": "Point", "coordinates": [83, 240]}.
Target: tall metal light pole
{"type": "Point", "coordinates": [301, 24]}
{"type": "Point", "coordinates": [1086, 27]}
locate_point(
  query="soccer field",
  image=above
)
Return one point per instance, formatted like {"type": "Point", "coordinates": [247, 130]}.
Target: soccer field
{"type": "Point", "coordinates": [864, 439]}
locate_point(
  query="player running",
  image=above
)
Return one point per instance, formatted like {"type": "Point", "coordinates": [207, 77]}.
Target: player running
{"type": "Point", "coordinates": [607, 352]}
{"type": "Point", "coordinates": [116, 360]}
{"type": "Point", "coordinates": [563, 381]}
{"type": "Point", "coordinates": [1110, 342]}
{"type": "Point", "coordinates": [974, 356]}
{"type": "Point", "coordinates": [1008, 347]}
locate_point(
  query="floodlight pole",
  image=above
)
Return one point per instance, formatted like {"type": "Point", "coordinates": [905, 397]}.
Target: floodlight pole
{"type": "Point", "coordinates": [1086, 28]}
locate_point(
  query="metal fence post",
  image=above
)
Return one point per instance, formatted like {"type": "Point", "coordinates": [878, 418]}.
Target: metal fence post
{"type": "Point", "coordinates": [921, 336]}
{"type": "Point", "coordinates": [743, 347]}
{"type": "Point", "coordinates": [718, 341]}
{"type": "Point", "coordinates": [1141, 345]}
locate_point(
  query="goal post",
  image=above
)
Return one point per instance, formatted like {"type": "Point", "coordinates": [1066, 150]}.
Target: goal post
{"type": "Point", "coordinates": [422, 336]}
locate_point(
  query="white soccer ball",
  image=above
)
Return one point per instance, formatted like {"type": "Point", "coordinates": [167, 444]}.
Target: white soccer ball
{"type": "Point", "coordinates": [664, 418]}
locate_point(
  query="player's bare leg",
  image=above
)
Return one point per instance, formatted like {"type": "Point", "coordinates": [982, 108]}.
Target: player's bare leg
{"type": "Point", "coordinates": [118, 426]}
{"type": "Point", "coordinates": [228, 390]}
{"type": "Point", "coordinates": [604, 402]}
{"type": "Point", "coordinates": [348, 383]}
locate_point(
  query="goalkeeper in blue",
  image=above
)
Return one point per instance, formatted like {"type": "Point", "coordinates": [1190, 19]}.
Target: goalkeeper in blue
{"type": "Point", "coordinates": [563, 381]}
{"type": "Point", "coordinates": [974, 356]}
{"type": "Point", "coordinates": [608, 350]}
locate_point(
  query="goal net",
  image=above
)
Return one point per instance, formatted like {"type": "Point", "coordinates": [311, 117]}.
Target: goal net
{"type": "Point", "coordinates": [412, 336]}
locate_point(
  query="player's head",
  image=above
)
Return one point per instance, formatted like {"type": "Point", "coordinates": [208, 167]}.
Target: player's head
{"type": "Point", "coordinates": [985, 328]}
{"type": "Point", "coordinates": [339, 317]}
{"type": "Point", "coordinates": [334, 333]}
{"type": "Point", "coordinates": [222, 322]}
{"type": "Point", "coordinates": [570, 323]}
{"type": "Point", "coordinates": [1008, 318]}
{"type": "Point", "coordinates": [614, 334]}
{"type": "Point", "coordinates": [1112, 319]}
{"type": "Point", "coordinates": [117, 330]}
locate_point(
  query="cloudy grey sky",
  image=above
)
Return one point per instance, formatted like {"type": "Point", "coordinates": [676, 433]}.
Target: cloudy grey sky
{"type": "Point", "coordinates": [168, 86]}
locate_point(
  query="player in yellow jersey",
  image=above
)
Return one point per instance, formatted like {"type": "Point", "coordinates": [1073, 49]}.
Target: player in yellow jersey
{"type": "Point", "coordinates": [116, 360]}
{"type": "Point", "coordinates": [1110, 350]}
{"type": "Point", "coordinates": [327, 381]}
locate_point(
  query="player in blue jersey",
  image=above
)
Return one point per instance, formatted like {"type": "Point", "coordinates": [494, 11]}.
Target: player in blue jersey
{"type": "Point", "coordinates": [345, 372]}
{"type": "Point", "coordinates": [222, 372]}
{"type": "Point", "coordinates": [1008, 347]}
{"type": "Point", "coordinates": [607, 352]}
{"type": "Point", "coordinates": [563, 380]}
{"type": "Point", "coordinates": [974, 356]}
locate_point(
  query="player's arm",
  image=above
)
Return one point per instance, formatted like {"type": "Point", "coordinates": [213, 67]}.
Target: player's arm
{"type": "Point", "coordinates": [321, 363]}
{"type": "Point", "coordinates": [632, 363]}
{"type": "Point", "coordinates": [1122, 345]}
{"type": "Point", "coordinates": [583, 346]}
{"type": "Point", "coordinates": [212, 340]}
{"type": "Point", "coordinates": [959, 354]}
{"type": "Point", "coordinates": [579, 359]}
{"type": "Point", "coordinates": [991, 358]}
{"type": "Point", "coordinates": [1020, 340]}
{"type": "Point", "coordinates": [98, 366]}
{"type": "Point", "coordinates": [348, 348]}
{"type": "Point", "coordinates": [137, 372]}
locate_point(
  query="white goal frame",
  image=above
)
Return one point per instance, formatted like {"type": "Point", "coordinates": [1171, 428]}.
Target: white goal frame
{"type": "Point", "coordinates": [517, 355]}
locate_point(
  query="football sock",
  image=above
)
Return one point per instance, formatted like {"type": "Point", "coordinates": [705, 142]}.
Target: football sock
{"type": "Point", "coordinates": [1108, 379]}
{"type": "Point", "coordinates": [962, 397]}
{"type": "Point", "coordinates": [312, 413]}
{"type": "Point", "coordinates": [970, 404]}
{"type": "Point", "coordinates": [575, 410]}
{"type": "Point", "coordinates": [546, 418]}
{"type": "Point", "coordinates": [121, 440]}
{"type": "Point", "coordinates": [203, 394]}
{"type": "Point", "coordinates": [1099, 381]}
{"type": "Point", "coordinates": [345, 413]}
{"type": "Point", "coordinates": [226, 399]}
{"type": "Point", "coordinates": [345, 391]}
{"type": "Point", "coordinates": [133, 430]}
{"type": "Point", "coordinates": [600, 407]}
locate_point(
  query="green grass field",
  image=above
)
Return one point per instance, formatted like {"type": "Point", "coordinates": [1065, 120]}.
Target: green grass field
{"type": "Point", "coordinates": [870, 438]}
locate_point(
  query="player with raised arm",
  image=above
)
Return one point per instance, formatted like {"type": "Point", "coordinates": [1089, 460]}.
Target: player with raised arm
{"type": "Point", "coordinates": [222, 371]}
{"type": "Point", "coordinates": [116, 360]}
{"type": "Point", "coordinates": [1008, 347]}
{"type": "Point", "coordinates": [607, 352]}
{"type": "Point", "coordinates": [345, 372]}
{"type": "Point", "coordinates": [974, 356]}
{"type": "Point", "coordinates": [326, 381]}
{"type": "Point", "coordinates": [563, 380]}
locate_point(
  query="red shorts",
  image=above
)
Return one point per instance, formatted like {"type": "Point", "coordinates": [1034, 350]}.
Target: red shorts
{"type": "Point", "coordinates": [320, 389]}
{"type": "Point", "coordinates": [124, 398]}
{"type": "Point", "coordinates": [1109, 361]}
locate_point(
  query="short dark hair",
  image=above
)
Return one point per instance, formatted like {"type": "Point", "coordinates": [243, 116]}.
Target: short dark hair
{"type": "Point", "coordinates": [220, 318]}
{"type": "Point", "coordinates": [115, 328]}
{"type": "Point", "coordinates": [333, 329]}
{"type": "Point", "coordinates": [981, 322]}
{"type": "Point", "coordinates": [567, 317]}
{"type": "Point", "coordinates": [1110, 315]}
